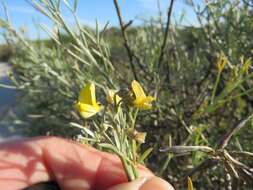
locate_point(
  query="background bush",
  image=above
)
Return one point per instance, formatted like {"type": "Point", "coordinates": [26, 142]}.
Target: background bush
{"type": "Point", "coordinates": [196, 105]}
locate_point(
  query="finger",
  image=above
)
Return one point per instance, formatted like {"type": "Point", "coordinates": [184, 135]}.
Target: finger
{"type": "Point", "coordinates": [21, 164]}
{"type": "Point", "coordinates": [148, 183]}
{"type": "Point", "coordinates": [75, 166]}
{"type": "Point", "coordinates": [72, 165]}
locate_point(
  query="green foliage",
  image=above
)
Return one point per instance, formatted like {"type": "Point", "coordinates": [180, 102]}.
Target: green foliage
{"type": "Point", "coordinates": [197, 105]}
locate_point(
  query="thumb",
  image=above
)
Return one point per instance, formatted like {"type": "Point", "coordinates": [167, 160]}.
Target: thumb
{"type": "Point", "coordinates": [149, 183]}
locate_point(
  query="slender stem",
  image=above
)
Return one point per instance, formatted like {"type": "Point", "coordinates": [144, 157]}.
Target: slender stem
{"type": "Point", "coordinates": [165, 165]}
{"type": "Point", "coordinates": [135, 172]}
{"type": "Point", "coordinates": [160, 60]}
{"type": "Point", "coordinates": [225, 139]}
{"type": "Point", "coordinates": [167, 161]}
{"type": "Point", "coordinates": [128, 169]}
{"type": "Point", "coordinates": [215, 87]}
{"type": "Point", "coordinates": [123, 32]}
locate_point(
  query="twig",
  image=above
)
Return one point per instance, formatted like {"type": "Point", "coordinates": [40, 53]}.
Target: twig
{"type": "Point", "coordinates": [123, 32]}
{"type": "Point", "coordinates": [160, 60]}
{"type": "Point", "coordinates": [128, 24]}
{"type": "Point", "coordinates": [225, 139]}
{"type": "Point", "coordinates": [250, 3]}
{"type": "Point", "coordinates": [241, 154]}
{"type": "Point", "coordinates": [186, 149]}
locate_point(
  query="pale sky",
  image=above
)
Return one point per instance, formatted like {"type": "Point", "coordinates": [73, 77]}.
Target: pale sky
{"type": "Point", "coordinates": [23, 15]}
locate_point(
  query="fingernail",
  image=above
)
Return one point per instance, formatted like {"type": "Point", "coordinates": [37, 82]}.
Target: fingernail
{"type": "Point", "coordinates": [133, 185]}
{"type": "Point", "coordinates": [145, 183]}
{"type": "Point", "coordinates": [156, 183]}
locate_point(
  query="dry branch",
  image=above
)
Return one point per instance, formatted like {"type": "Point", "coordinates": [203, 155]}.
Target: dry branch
{"type": "Point", "coordinates": [123, 32]}
{"type": "Point", "coordinates": [160, 60]}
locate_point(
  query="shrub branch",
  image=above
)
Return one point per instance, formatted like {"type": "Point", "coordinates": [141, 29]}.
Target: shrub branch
{"type": "Point", "coordinates": [160, 60]}
{"type": "Point", "coordinates": [123, 28]}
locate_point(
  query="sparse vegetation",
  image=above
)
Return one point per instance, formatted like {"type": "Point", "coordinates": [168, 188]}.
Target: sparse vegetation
{"type": "Point", "coordinates": [201, 123]}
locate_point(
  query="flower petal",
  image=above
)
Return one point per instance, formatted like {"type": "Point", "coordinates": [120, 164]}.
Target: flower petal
{"type": "Point", "coordinates": [189, 182]}
{"type": "Point", "coordinates": [87, 110]}
{"type": "Point", "coordinates": [144, 103]}
{"type": "Point", "coordinates": [88, 95]}
{"type": "Point", "coordinates": [137, 90]}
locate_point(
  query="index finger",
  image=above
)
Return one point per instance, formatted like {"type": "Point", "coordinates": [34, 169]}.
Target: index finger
{"type": "Point", "coordinates": [73, 166]}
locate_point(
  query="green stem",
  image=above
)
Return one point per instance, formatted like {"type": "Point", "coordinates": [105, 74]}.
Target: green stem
{"type": "Point", "coordinates": [130, 172]}
{"type": "Point", "coordinates": [167, 161]}
{"type": "Point", "coordinates": [136, 174]}
{"type": "Point", "coordinates": [165, 165]}
{"type": "Point", "coordinates": [215, 87]}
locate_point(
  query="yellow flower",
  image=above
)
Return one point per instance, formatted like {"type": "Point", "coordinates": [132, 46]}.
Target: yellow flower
{"type": "Point", "coordinates": [190, 185]}
{"type": "Point", "coordinates": [112, 97]}
{"type": "Point", "coordinates": [222, 61]}
{"type": "Point", "coordinates": [87, 105]}
{"type": "Point", "coordinates": [140, 99]}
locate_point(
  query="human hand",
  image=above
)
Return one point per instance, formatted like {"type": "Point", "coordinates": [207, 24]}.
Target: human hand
{"type": "Point", "coordinates": [73, 166]}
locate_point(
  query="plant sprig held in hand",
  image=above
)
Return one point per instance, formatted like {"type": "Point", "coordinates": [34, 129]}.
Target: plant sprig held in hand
{"type": "Point", "coordinates": [115, 130]}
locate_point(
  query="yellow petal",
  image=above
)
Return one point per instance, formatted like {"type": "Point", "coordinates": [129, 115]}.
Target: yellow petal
{"type": "Point", "coordinates": [144, 106]}
{"type": "Point", "coordinates": [87, 110]}
{"type": "Point", "coordinates": [137, 90]}
{"type": "Point", "coordinates": [222, 61]}
{"type": "Point", "coordinates": [190, 185]}
{"type": "Point", "coordinates": [144, 103]}
{"type": "Point", "coordinates": [150, 98]}
{"type": "Point", "coordinates": [88, 95]}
